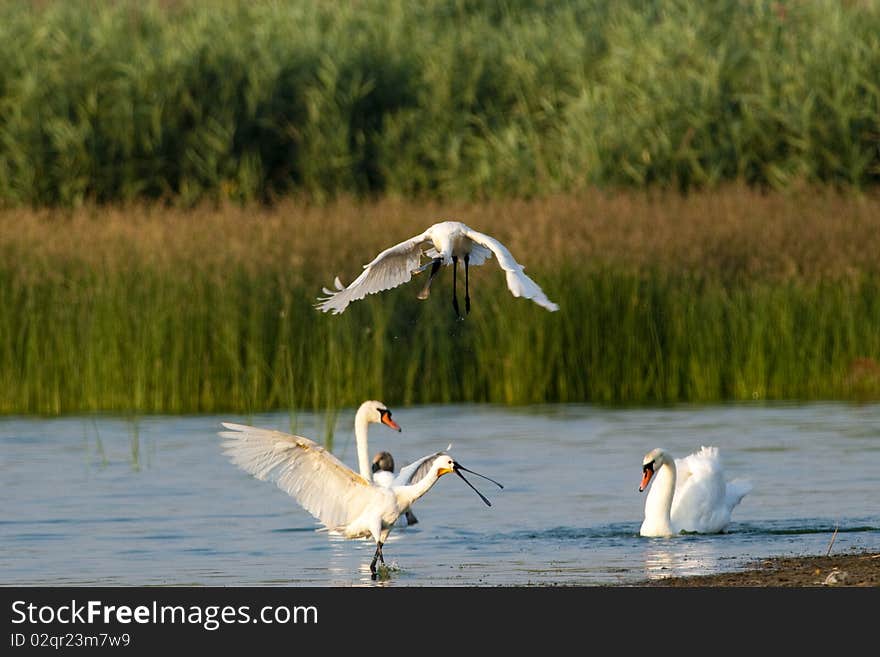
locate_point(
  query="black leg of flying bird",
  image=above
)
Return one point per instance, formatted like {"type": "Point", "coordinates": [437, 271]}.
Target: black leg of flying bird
{"type": "Point", "coordinates": [454, 291]}
{"type": "Point", "coordinates": [435, 267]}
{"type": "Point", "coordinates": [467, 292]}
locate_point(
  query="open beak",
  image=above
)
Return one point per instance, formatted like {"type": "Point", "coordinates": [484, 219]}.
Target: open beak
{"type": "Point", "coordinates": [647, 473]}
{"type": "Point", "coordinates": [457, 469]}
{"type": "Point", "coordinates": [388, 422]}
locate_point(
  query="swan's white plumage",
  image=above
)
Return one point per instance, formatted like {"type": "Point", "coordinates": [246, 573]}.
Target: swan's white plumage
{"type": "Point", "coordinates": [397, 264]}
{"type": "Point", "coordinates": [690, 496]}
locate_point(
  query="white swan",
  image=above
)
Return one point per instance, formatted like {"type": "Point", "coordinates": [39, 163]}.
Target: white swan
{"type": "Point", "coordinates": [370, 412]}
{"type": "Point", "coordinates": [336, 495]}
{"type": "Point", "coordinates": [446, 242]}
{"type": "Point", "coordinates": [688, 494]}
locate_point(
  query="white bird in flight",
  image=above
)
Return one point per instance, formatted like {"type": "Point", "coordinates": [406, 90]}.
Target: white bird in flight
{"type": "Point", "coordinates": [341, 499]}
{"type": "Point", "coordinates": [446, 242]}
{"type": "Point", "coordinates": [688, 494]}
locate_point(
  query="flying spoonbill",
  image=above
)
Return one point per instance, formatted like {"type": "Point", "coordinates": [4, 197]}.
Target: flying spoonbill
{"type": "Point", "coordinates": [341, 499]}
{"type": "Point", "coordinates": [444, 243]}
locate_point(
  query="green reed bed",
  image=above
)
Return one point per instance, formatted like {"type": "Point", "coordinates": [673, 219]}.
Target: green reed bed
{"type": "Point", "coordinates": [724, 295]}
{"type": "Point", "coordinates": [115, 101]}
{"type": "Point", "coordinates": [147, 341]}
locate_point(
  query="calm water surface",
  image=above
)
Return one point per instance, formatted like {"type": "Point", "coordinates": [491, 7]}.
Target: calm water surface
{"type": "Point", "coordinates": [153, 501]}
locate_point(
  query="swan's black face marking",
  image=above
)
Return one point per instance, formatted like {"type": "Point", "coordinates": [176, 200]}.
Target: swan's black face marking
{"type": "Point", "coordinates": [647, 473]}
{"type": "Point", "coordinates": [385, 418]}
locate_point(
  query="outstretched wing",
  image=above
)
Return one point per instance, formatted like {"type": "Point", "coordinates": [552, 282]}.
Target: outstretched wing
{"type": "Point", "coordinates": [393, 267]}
{"type": "Point", "coordinates": [518, 283]}
{"type": "Point", "coordinates": [416, 470]}
{"type": "Point", "coordinates": [321, 483]}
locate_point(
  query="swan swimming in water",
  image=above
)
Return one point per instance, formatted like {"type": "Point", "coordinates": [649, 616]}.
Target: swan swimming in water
{"type": "Point", "coordinates": [688, 494]}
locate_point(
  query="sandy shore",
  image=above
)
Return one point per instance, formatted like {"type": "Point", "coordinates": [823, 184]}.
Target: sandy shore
{"type": "Point", "coordinates": [850, 569]}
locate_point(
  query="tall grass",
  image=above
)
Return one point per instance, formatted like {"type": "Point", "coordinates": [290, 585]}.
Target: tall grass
{"type": "Point", "coordinates": [187, 101]}
{"type": "Point", "coordinates": [723, 295]}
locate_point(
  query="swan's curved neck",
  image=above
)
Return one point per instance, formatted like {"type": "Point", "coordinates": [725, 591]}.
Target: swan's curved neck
{"type": "Point", "coordinates": [361, 428]}
{"type": "Point", "coordinates": [658, 505]}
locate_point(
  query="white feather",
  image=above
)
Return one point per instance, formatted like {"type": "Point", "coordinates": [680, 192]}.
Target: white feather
{"type": "Point", "coordinates": [518, 283]}
{"type": "Point", "coordinates": [321, 483]}
{"type": "Point", "coordinates": [393, 267]}
{"type": "Point", "coordinates": [342, 500]}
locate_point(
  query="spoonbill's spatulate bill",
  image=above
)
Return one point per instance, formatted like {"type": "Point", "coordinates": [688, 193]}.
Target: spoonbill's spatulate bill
{"type": "Point", "coordinates": [688, 494]}
{"type": "Point", "coordinates": [444, 243]}
{"type": "Point", "coordinates": [341, 499]}
{"type": "Point", "coordinates": [383, 467]}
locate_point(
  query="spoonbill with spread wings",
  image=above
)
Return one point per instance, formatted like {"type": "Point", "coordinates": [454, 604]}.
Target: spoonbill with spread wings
{"type": "Point", "coordinates": [444, 243]}
{"type": "Point", "coordinates": [341, 499]}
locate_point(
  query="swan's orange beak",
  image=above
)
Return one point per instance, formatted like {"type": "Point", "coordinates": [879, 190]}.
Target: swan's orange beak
{"type": "Point", "coordinates": [647, 473]}
{"type": "Point", "coordinates": [387, 421]}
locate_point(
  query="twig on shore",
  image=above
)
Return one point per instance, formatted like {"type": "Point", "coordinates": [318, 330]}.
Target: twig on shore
{"type": "Point", "coordinates": [833, 536]}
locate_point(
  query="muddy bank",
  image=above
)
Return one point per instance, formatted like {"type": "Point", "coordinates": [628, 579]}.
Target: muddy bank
{"type": "Point", "coordinates": [851, 569]}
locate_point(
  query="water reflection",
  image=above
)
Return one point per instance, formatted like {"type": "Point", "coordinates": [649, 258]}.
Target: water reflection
{"type": "Point", "coordinates": [677, 557]}
{"type": "Point", "coordinates": [135, 446]}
